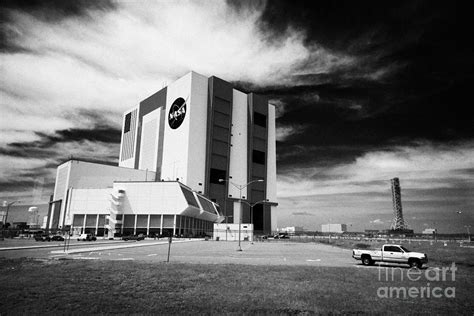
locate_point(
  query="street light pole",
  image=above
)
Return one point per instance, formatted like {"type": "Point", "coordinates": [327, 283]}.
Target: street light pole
{"type": "Point", "coordinates": [251, 209]}
{"type": "Point", "coordinates": [226, 226]}
{"type": "Point", "coordinates": [7, 205]}
{"type": "Point", "coordinates": [240, 214]}
{"type": "Point", "coordinates": [240, 187]}
{"type": "Point", "coordinates": [467, 227]}
{"type": "Point", "coordinates": [329, 230]}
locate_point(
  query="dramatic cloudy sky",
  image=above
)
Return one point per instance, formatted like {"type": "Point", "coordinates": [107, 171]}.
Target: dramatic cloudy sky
{"type": "Point", "coordinates": [365, 91]}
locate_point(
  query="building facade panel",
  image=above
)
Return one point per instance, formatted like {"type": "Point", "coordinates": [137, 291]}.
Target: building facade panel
{"type": "Point", "coordinates": [238, 168]}
{"type": "Point", "coordinates": [184, 148]}
{"type": "Point", "coordinates": [88, 201]}
{"type": "Point", "coordinates": [129, 139]}
{"type": "Point", "coordinates": [196, 178]}
{"type": "Point", "coordinates": [61, 184]}
{"type": "Point", "coordinates": [148, 157]}
{"type": "Point", "coordinates": [87, 175]}
{"type": "Point", "coordinates": [159, 197]}
{"type": "Point", "coordinates": [175, 142]}
{"type": "Point", "coordinates": [271, 183]}
{"type": "Point", "coordinates": [258, 146]}
{"type": "Point", "coordinates": [220, 163]}
{"type": "Point", "coordinates": [152, 103]}
{"type": "Point", "coordinates": [220, 148]}
{"type": "Point", "coordinates": [220, 104]}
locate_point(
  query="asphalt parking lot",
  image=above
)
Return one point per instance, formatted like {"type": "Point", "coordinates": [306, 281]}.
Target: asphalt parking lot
{"type": "Point", "coordinates": [190, 251]}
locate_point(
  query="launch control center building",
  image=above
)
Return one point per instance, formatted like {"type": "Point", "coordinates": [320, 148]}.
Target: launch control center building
{"type": "Point", "coordinates": [195, 153]}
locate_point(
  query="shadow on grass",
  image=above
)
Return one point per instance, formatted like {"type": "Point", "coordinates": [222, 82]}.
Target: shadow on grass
{"type": "Point", "coordinates": [390, 265]}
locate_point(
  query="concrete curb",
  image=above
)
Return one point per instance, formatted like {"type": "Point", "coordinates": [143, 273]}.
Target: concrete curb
{"type": "Point", "coordinates": [132, 245]}
{"type": "Point", "coordinates": [49, 245]}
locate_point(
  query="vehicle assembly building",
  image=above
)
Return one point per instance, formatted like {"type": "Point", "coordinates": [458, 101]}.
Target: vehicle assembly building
{"type": "Point", "coordinates": [189, 154]}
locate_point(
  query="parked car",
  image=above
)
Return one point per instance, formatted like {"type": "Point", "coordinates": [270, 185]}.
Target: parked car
{"type": "Point", "coordinates": [86, 237]}
{"type": "Point", "coordinates": [134, 237]}
{"type": "Point", "coordinates": [42, 238]}
{"type": "Point", "coordinates": [392, 254]}
{"type": "Point", "coordinates": [281, 236]}
{"type": "Point", "coordinates": [57, 238]}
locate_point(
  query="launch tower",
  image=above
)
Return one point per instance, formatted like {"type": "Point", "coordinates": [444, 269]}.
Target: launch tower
{"type": "Point", "coordinates": [398, 222]}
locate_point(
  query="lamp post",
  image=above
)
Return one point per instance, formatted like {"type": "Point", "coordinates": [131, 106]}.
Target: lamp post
{"type": "Point", "coordinates": [251, 209]}
{"type": "Point", "coordinates": [435, 232]}
{"type": "Point", "coordinates": [226, 226]}
{"type": "Point", "coordinates": [329, 229]}
{"type": "Point", "coordinates": [467, 227]}
{"type": "Point", "coordinates": [468, 232]}
{"type": "Point", "coordinates": [240, 187]}
{"type": "Point", "coordinates": [7, 205]}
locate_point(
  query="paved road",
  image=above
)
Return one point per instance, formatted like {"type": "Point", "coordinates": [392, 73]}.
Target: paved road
{"type": "Point", "coordinates": [192, 251]}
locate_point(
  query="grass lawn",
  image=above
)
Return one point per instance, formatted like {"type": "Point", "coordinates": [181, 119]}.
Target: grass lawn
{"type": "Point", "coordinates": [111, 287]}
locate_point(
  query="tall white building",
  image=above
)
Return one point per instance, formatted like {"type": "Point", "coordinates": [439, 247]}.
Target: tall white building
{"type": "Point", "coordinates": [207, 143]}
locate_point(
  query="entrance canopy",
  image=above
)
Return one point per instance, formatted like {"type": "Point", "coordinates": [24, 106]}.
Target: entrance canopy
{"type": "Point", "coordinates": [166, 197]}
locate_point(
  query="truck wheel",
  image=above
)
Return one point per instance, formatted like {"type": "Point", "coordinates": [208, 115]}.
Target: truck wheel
{"type": "Point", "coordinates": [415, 263]}
{"type": "Point", "coordinates": [367, 261]}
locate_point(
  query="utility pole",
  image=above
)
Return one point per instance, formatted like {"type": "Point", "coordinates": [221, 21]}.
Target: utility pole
{"type": "Point", "coordinates": [7, 205]}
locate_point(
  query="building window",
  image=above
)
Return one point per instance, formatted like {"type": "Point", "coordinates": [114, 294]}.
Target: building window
{"type": "Point", "coordinates": [128, 120]}
{"type": "Point", "coordinates": [217, 174]}
{"type": "Point", "coordinates": [259, 119]}
{"type": "Point", "coordinates": [78, 220]}
{"type": "Point", "coordinates": [258, 157]}
{"type": "Point", "coordinates": [129, 221]}
{"type": "Point", "coordinates": [189, 196]}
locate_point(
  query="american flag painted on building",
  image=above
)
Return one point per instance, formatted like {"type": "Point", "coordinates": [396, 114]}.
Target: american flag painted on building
{"type": "Point", "coordinates": [129, 131]}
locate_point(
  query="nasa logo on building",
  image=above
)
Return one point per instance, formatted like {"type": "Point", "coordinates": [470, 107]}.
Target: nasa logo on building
{"type": "Point", "coordinates": [177, 113]}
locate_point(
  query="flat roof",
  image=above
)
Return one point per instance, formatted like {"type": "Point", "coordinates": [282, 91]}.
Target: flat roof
{"type": "Point", "coordinates": [99, 162]}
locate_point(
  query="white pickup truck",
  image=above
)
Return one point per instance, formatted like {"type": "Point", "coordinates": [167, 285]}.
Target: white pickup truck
{"type": "Point", "coordinates": [392, 254]}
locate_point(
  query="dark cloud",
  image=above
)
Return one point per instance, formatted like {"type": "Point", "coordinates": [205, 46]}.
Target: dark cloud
{"type": "Point", "coordinates": [51, 148]}
{"type": "Point", "coordinates": [57, 9]}
{"type": "Point", "coordinates": [29, 179]}
{"type": "Point", "coordinates": [367, 27]}
{"type": "Point", "coordinates": [98, 134]}
{"type": "Point", "coordinates": [370, 115]}
{"type": "Point", "coordinates": [47, 10]}
{"type": "Point", "coordinates": [410, 79]}
{"type": "Point", "coordinates": [54, 149]}
{"type": "Point", "coordinates": [295, 155]}
{"type": "Point", "coordinates": [466, 172]}
{"type": "Point", "coordinates": [242, 6]}
{"type": "Point", "coordinates": [25, 184]}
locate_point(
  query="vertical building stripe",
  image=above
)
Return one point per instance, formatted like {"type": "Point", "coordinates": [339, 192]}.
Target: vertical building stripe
{"type": "Point", "coordinates": [128, 140]}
